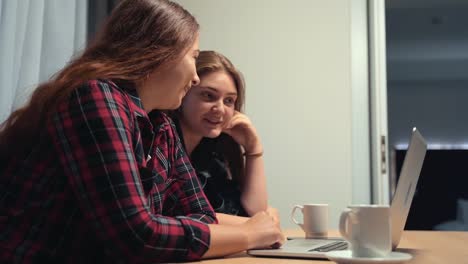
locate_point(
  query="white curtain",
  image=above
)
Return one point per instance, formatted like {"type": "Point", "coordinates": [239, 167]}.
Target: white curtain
{"type": "Point", "coordinates": [37, 38]}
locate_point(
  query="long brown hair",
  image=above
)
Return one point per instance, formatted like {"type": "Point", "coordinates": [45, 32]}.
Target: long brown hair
{"type": "Point", "coordinates": [138, 37]}
{"type": "Point", "coordinates": [212, 61]}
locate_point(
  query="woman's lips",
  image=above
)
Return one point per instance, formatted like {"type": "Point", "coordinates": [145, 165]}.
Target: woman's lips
{"type": "Point", "coordinates": [214, 122]}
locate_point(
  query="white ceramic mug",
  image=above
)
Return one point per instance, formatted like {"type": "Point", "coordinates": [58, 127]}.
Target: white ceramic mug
{"type": "Point", "coordinates": [368, 229]}
{"type": "Point", "coordinates": [315, 219]}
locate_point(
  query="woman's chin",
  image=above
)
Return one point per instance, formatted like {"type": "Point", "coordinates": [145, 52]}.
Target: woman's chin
{"type": "Point", "coordinates": [213, 133]}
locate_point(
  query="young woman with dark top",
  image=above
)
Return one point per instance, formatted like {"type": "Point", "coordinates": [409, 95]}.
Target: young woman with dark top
{"type": "Point", "coordinates": [222, 142]}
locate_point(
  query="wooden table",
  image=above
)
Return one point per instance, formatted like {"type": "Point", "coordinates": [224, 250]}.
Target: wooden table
{"type": "Point", "coordinates": [427, 247]}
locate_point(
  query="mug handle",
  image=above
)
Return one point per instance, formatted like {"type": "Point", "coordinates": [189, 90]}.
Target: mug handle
{"type": "Point", "coordinates": [344, 224]}
{"type": "Point", "coordinates": [292, 215]}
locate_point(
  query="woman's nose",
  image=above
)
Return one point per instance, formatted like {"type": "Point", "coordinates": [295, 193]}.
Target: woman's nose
{"type": "Point", "coordinates": [218, 106]}
{"type": "Point", "coordinates": [196, 80]}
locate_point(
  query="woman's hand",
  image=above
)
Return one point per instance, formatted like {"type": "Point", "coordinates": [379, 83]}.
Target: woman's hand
{"type": "Point", "coordinates": [273, 212]}
{"type": "Point", "coordinates": [260, 231]}
{"type": "Point", "coordinates": [263, 230]}
{"type": "Point", "coordinates": [241, 129]}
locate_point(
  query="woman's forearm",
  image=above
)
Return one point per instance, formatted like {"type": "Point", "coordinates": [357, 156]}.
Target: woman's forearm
{"type": "Point", "coordinates": [226, 240]}
{"type": "Point", "coordinates": [226, 219]}
{"type": "Point", "coordinates": [254, 196]}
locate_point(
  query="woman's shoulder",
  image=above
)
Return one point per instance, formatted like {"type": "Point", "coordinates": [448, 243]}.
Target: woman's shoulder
{"type": "Point", "coordinates": [100, 96]}
{"type": "Point", "coordinates": [100, 86]}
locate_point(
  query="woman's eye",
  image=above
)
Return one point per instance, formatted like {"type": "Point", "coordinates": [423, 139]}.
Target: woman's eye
{"type": "Point", "coordinates": [229, 101]}
{"type": "Point", "coordinates": [207, 95]}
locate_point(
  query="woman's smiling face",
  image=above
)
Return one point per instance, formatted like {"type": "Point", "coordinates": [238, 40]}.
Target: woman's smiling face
{"type": "Point", "coordinates": [208, 107]}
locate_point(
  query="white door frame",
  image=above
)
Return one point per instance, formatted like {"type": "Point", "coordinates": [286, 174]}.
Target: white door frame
{"type": "Point", "coordinates": [369, 103]}
{"type": "Point", "coordinates": [360, 156]}
{"type": "Point", "coordinates": [378, 102]}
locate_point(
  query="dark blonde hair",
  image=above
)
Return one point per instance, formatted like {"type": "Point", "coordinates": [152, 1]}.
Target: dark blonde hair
{"type": "Point", "coordinates": [138, 37]}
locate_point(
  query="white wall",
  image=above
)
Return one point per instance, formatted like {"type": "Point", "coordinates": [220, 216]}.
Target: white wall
{"type": "Point", "coordinates": [296, 58]}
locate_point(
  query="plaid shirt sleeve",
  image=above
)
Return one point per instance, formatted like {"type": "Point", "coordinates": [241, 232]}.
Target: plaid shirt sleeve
{"type": "Point", "coordinates": [93, 134]}
{"type": "Point", "coordinates": [193, 200]}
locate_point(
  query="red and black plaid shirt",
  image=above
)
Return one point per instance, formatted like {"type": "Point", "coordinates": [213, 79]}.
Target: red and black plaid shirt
{"type": "Point", "coordinates": [109, 183]}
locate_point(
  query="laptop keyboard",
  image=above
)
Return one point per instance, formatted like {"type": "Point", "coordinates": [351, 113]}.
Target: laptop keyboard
{"type": "Point", "coordinates": [339, 245]}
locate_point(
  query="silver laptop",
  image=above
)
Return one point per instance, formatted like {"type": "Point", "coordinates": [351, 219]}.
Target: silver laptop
{"type": "Point", "coordinates": [401, 203]}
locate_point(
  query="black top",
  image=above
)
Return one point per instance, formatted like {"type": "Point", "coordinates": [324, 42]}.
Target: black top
{"type": "Point", "coordinates": [214, 174]}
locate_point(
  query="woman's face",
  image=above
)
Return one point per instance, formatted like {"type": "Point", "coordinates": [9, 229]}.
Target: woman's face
{"type": "Point", "coordinates": [208, 107]}
{"type": "Point", "coordinates": [166, 86]}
